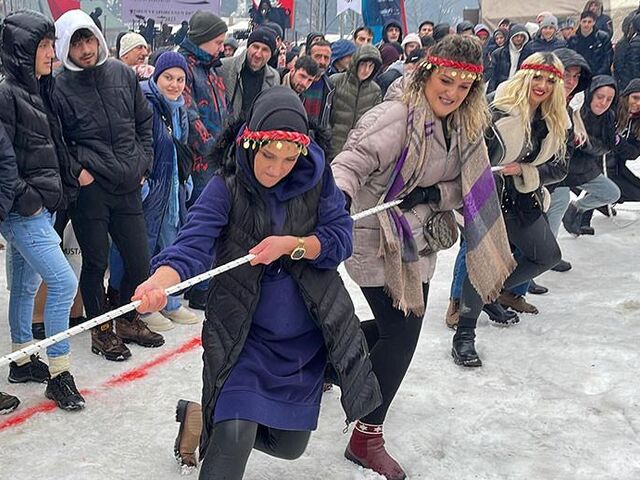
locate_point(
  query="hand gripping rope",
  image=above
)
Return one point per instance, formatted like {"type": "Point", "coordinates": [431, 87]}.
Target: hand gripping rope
{"type": "Point", "coordinates": [105, 317]}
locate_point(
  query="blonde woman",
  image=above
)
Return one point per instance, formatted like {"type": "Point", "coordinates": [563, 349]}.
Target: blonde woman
{"type": "Point", "coordinates": [423, 144]}
{"type": "Point", "coordinates": [527, 141]}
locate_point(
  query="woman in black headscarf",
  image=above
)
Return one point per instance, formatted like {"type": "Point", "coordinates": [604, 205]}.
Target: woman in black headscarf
{"type": "Point", "coordinates": [274, 325]}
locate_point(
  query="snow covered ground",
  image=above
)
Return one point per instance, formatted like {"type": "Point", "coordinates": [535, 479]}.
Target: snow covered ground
{"type": "Point", "coordinates": [557, 398]}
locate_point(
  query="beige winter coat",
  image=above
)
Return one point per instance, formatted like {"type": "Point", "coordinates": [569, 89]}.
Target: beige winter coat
{"type": "Point", "coordinates": [363, 168]}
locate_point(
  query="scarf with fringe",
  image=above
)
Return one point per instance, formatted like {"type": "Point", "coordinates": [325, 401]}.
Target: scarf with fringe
{"type": "Point", "coordinates": [489, 258]}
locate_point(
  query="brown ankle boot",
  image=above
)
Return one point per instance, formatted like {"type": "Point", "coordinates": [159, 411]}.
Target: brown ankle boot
{"type": "Point", "coordinates": [189, 416]}
{"type": "Point", "coordinates": [453, 313]}
{"type": "Point", "coordinates": [366, 448]}
{"type": "Point", "coordinates": [516, 302]}
{"type": "Point", "coordinates": [134, 330]}
{"type": "Point", "coordinates": [106, 343]}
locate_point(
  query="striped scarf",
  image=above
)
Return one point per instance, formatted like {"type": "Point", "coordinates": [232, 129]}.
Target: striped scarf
{"type": "Point", "coordinates": [489, 258]}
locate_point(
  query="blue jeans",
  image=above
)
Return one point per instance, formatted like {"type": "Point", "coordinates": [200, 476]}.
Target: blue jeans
{"type": "Point", "coordinates": [560, 199]}
{"type": "Point", "coordinates": [36, 256]}
{"type": "Point", "coordinates": [460, 272]}
{"type": "Point", "coordinates": [600, 191]}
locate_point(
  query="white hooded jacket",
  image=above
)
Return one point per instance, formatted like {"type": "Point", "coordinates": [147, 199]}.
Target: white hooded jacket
{"type": "Point", "coordinates": [66, 26]}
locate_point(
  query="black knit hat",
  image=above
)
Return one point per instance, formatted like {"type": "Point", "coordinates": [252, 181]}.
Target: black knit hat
{"type": "Point", "coordinates": [264, 36]}
{"type": "Point", "coordinates": [278, 108]}
{"type": "Point", "coordinates": [205, 26]}
{"type": "Point", "coordinates": [632, 87]}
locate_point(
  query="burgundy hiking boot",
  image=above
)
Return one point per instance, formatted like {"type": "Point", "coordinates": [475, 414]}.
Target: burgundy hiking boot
{"type": "Point", "coordinates": [366, 448]}
{"type": "Point", "coordinates": [136, 331]}
{"type": "Point", "coordinates": [189, 416]}
{"type": "Point", "coordinates": [106, 343]}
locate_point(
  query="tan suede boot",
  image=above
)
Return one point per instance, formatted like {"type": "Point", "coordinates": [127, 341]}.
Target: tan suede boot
{"type": "Point", "coordinates": [189, 416]}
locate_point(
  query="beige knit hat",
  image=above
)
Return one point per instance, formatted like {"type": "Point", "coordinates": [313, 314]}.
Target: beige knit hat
{"type": "Point", "coordinates": [130, 41]}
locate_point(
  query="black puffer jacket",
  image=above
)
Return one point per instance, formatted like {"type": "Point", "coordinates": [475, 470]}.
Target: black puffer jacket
{"type": "Point", "coordinates": [596, 50]}
{"type": "Point", "coordinates": [107, 123]}
{"type": "Point", "coordinates": [626, 60]}
{"type": "Point", "coordinates": [586, 163]}
{"type": "Point", "coordinates": [8, 174]}
{"type": "Point", "coordinates": [25, 116]}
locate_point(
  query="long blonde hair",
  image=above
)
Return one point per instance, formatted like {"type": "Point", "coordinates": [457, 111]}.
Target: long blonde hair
{"type": "Point", "coordinates": [473, 115]}
{"type": "Point", "coordinates": [514, 99]}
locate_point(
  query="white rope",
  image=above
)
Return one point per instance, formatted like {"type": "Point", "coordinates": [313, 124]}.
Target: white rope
{"type": "Point", "coordinates": [105, 317]}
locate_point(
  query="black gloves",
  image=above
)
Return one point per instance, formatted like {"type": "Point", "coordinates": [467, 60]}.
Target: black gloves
{"type": "Point", "coordinates": [420, 195]}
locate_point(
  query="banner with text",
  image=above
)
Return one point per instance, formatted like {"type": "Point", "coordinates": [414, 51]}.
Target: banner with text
{"type": "Point", "coordinates": [166, 11]}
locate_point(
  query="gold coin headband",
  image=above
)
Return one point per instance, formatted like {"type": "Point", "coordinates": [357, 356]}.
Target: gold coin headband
{"type": "Point", "coordinates": [253, 140]}
{"type": "Point", "coordinates": [469, 71]}
{"type": "Point", "coordinates": [554, 73]}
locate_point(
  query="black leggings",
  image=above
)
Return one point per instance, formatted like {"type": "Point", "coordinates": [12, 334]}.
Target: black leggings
{"type": "Point", "coordinates": [392, 338]}
{"type": "Point", "coordinates": [232, 441]}
{"type": "Point", "coordinates": [540, 252]}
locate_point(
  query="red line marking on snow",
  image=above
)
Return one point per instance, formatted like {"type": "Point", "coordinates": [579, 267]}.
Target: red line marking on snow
{"type": "Point", "coordinates": [122, 379]}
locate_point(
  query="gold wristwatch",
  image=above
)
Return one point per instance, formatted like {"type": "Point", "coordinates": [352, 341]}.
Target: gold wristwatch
{"type": "Point", "coordinates": [299, 251]}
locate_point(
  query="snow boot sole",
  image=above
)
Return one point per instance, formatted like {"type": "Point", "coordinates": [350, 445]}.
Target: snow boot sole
{"type": "Point", "coordinates": [473, 363]}
{"type": "Point", "coordinates": [120, 357]}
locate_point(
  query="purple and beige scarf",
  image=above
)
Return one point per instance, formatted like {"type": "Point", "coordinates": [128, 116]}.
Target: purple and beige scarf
{"type": "Point", "coordinates": [489, 258]}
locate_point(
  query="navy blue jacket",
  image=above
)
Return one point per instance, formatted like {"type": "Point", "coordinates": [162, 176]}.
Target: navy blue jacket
{"type": "Point", "coordinates": [164, 162]}
{"type": "Point", "coordinates": [539, 44]}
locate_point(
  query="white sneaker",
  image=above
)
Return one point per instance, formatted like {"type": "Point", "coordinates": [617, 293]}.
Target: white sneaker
{"type": "Point", "coordinates": [157, 322]}
{"type": "Point", "coordinates": [182, 315]}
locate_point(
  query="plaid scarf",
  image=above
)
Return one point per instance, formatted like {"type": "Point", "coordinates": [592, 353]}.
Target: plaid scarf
{"type": "Point", "coordinates": [489, 258]}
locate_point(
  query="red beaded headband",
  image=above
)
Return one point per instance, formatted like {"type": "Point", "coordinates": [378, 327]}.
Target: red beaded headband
{"type": "Point", "coordinates": [251, 139]}
{"type": "Point", "coordinates": [543, 68]}
{"type": "Point", "coordinates": [468, 70]}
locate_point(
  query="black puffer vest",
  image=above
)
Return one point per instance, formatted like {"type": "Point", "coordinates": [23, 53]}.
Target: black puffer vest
{"type": "Point", "coordinates": [233, 297]}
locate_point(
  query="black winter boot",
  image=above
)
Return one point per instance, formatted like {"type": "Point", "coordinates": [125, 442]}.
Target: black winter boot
{"type": "Point", "coordinates": [464, 348]}
{"type": "Point", "coordinates": [62, 390]}
{"type": "Point", "coordinates": [585, 224]}
{"type": "Point", "coordinates": [500, 315]}
{"type": "Point", "coordinates": [562, 266]}
{"type": "Point", "coordinates": [35, 371]}
{"type": "Point", "coordinates": [572, 220]}
{"type": "Point", "coordinates": [536, 289]}
{"type": "Point", "coordinates": [8, 403]}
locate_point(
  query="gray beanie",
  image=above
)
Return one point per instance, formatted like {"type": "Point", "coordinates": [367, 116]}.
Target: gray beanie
{"type": "Point", "coordinates": [205, 26]}
{"type": "Point", "coordinates": [549, 21]}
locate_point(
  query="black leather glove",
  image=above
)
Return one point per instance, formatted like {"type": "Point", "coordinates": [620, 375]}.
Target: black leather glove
{"type": "Point", "coordinates": [420, 195]}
